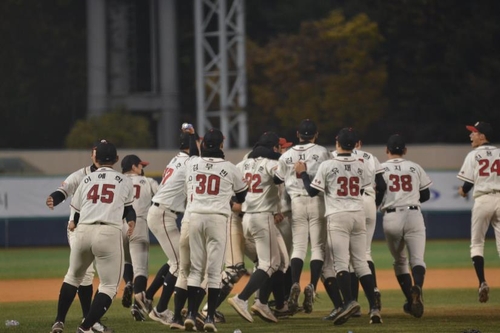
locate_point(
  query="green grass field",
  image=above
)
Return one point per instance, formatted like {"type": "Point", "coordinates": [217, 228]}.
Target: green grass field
{"type": "Point", "coordinates": [446, 310]}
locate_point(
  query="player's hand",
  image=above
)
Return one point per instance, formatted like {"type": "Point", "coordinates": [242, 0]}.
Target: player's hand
{"type": "Point", "coordinates": [50, 202]}
{"type": "Point", "coordinates": [278, 218]}
{"type": "Point", "coordinates": [71, 226]}
{"type": "Point", "coordinates": [461, 192]}
{"type": "Point", "coordinates": [131, 227]}
{"type": "Point", "coordinates": [236, 208]}
{"type": "Point", "coordinates": [300, 167]}
{"type": "Point", "coordinates": [189, 130]}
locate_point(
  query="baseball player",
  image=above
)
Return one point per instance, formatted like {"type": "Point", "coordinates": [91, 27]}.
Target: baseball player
{"type": "Point", "coordinates": [261, 208]}
{"type": "Point", "coordinates": [307, 213]}
{"type": "Point", "coordinates": [343, 180]}
{"type": "Point", "coordinates": [372, 197]}
{"type": "Point", "coordinates": [481, 171]}
{"type": "Point", "coordinates": [136, 247]}
{"type": "Point", "coordinates": [168, 203]}
{"type": "Point", "coordinates": [214, 180]}
{"type": "Point", "coordinates": [407, 187]}
{"type": "Point", "coordinates": [68, 188]}
{"type": "Point", "coordinates": [100, 202]}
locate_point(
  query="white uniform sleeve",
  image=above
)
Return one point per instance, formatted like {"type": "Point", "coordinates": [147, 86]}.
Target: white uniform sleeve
{"type": "Point", "coordinates": [282, 169]}
{"type": "Point", "coordinates": [467, 170]}
{"type": "Point", "coordinates": [425, 181]}
{"type": "Point", "coordinates": [154, 186]}
{"type": "Point", "coordinates": [239, 183]}
{"type": "Point", "coordinates": [319, 180]}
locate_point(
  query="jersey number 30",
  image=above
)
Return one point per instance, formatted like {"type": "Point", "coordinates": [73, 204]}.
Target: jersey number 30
{"type": "Point", "coordinates": [106, 194]}
{"type": "Point", "coordinates": [209, 185]}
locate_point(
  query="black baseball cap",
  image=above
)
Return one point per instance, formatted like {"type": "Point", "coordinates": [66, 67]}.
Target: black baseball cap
{"type": "Point", "coordinates": [268, 139]}
{"type": "Point", "coordinates": [131, 160]}
{"type": "Point", "coordinates": [307, 129]}
{"type": "Point", "coordinates": [347, 138]}
{"type": "Point", "coordinates": [481, 127]}
{"type": "Point", "coordinates": [213, 138]}
{"type": "Point", "coordinates": [184, 140]}
{"type": "Point", "coordinates": [105, 152]}
{"type": "Point", "coordinates": [396, 143]}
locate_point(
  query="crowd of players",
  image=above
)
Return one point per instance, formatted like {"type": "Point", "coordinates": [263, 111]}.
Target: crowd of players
{"type": "Point", "coordinates": [277, 203]}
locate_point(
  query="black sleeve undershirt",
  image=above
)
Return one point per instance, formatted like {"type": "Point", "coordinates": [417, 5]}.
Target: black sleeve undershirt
{"type": "Point", "coordinates": [240, 197]}
{"type": "Point", "coordinates": [380, 188]}
{"type": "Point", "coordinates": [425, 195]}
{"type": "Point", "coordinates": [307, 184]}
{"type": "Point", "coordinates": [57, 197]}
{"type": "Point", "coordinates": [466, 187]}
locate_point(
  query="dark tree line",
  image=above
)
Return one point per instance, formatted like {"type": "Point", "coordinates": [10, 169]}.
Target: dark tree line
{"type": "Point", "coordinates": [441, 59]}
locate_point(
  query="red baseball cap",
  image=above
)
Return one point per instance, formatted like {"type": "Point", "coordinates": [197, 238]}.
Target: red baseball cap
{"type": "Point", "coordinates": [285, 144]}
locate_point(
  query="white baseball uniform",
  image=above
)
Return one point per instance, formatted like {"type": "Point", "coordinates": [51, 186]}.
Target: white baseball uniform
{"type": "Point", "coordinates": [403, 222]}
{"type": "Point", "coordinates": [214, 180]}
{"type": "Point", "coordinates": [482, 168]}
{"type": "Point", "coordinates": [137, 245]}
{"type": "Point", "coordinates": [100, 200]}
{"type": "Point", "coordinates": [307, 213]}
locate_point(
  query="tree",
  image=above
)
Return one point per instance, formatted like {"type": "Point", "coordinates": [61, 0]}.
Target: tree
{"type": "Point", "coordinates": [122, 129]}
{"type": "Point", "coordinates": [331, 71]}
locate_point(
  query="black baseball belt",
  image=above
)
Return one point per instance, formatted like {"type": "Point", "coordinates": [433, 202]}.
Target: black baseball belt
{"type": "Point", "coordinates": [392, 210]}
{"type": "Point", "coordinates": [172, 211]}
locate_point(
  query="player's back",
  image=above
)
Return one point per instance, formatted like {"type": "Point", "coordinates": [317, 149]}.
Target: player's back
{"type": "Point", "coordinates": [262, 193]}
{"type": "Point", "coordinates": [405, 179]}
{"type": "Point", "coordinates": [144, 190]}
{"type": "Point", "coordinates": [172, 189]}
{"type": "Point", "coordinates": [309, 153]}
{"type": "Point", "coordinates": [482, 168]}
{"type": "Point", "coordinates": [101, 197]}
{"type": "Point", "coordinates": [214, 180]}
{"type": "Point", "coordinates": [70, 184]}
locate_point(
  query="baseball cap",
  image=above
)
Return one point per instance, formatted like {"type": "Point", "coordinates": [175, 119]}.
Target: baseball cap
{"type": "Point", "coordinates": [105, 151]}
{"type": "Point", "coordinates": [184, 140]}
{"type": "Point", "coordinates": [268, 139]}
{"type": "Point", "coordinates": [396, 143]}
{"type": "Point", "coordinates": [481, 127]}
{"type": "Point", "coordinates": [213, 138]}
{"type": "Point", "coordinates": [347, 138]}
{"type": "Point", "coordinates": [131, 160]}
{"type": "Point", "coordinates": [285, 144]}
{"type": "Point", "coordinates": [307, 128]}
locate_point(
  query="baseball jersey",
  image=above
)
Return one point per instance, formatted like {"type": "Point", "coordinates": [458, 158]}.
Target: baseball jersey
{"type": "Point", "coordinates": [482, 168]}
{"type": "Point", "coordinates": [341, 179]}
{"type": "Point", "coordinates": [309, 153]}
{"type": "Point", "coordinates": [405, 179]}
{"type": "Point", "coordinates": [372, 165]}
{"type": "Point", "coordinates": [144, 190]}
{"type": "Point", "coordinates": [172, 190]}
{"type": "Point", "coordinates": [70, 184]}
{"type": "Point", "coordinates": [213, 181]}
{"type": "Point", "coordinates": [103, 186]}
{"type": "Point", "coordinates": [262, 195]}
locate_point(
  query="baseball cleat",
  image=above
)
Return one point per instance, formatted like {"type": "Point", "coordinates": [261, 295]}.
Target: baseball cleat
{"type": "Point", "coordinates": [143, 304]}
{"type": "Point", "coordinates": [346, 313]}
{"type": "Point", "coordinates": [283, 313]}
{"type": "Point", "coordinates": [484, 290]}
{"type": "Point", "coordinates": [308, 298]}
{"type": "Point", "coordinates": [375, 317]}
{"type": "Point", "coordinates": [407, 308]}
{"type": "Point", "coordinates": [357, 314]}
{"type": "Point", "coordinates": [263, 311]}
{"type": "Point", "coordinates": [334, 314]}
{"type": "Point", "coordinates": [241, 307]}
{"type": "Point", "coordinates": [58, 327]}
{"type": "Point", "coordinates": [378, 299]}
{"type": "Point", "coordinates": [136, 313]}
{"type": "Point", "coordinates": [177, 324]}
{"type": "Point", "coordinates": [100, 328]}
{"type": "Point", "coordinates": [209, 325]}
{"type": "Point", "coordinates": [164, 317]}
{"type": "Point", "coordinates": [417, 302]}
{"type": "Point", "coordinates": [81, 330]}
{"type": "Point", "coordinates": [190, 323]}
{"type": "Point", "coordinates": [128, 291]}
{"type": "Point", "coordinates": [293, 299]}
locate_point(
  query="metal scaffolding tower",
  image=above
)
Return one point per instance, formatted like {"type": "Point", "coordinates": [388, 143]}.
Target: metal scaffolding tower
{"type": "Point", "coordinates": [220, 69]}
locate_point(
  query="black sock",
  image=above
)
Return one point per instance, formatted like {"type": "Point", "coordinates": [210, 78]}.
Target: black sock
{"type": "Point", "coordinates": [288, 281]}
{"type": "Point", "coordinates": [157, 281]}
{"type": "Point", "coordinates": [332, 289]}
{"type": "Point", "coordinates": [257, 279]}
{"type": "Point", "coordinates": [85, 296]}
{"type": "Point", "coordinates": [418, 273]}
{"type": "Point", "coordinates": [296, 265]}
{"type": "Point", "coordinates": [265, 291]}
{"type": "Point", "coordinates": [278, 288]}
{"type": "Point", "coordinates": [195, 297]}
{"type": "Point", "coordinates": [405, 284]}
{"type": "Point", "coordinates": [478, 262]}
{"type": "Point", "coordinates": [354, 286]}
{"type": "Point", "coordinates": [372, 269]}
{"type": "Point", "coordinates": [369, 288]}
{"type": "Point", "coordinates": [140, 283]}
{"type": "Point", "coordinates": [316, 267]}
{"type": "Point", "coordinates": [212, 296]}
{"type": "Point", "coordinates": [66, 296]}
{"type": "Point", "coordinates": [166, 293]}
{"type": "Point", "coordinates": [99, 307]}
{"type": "Point", "coordinates": [344, 281]}
{"type": "Point", "coordinates": [180, 297]}
{"type": "Point", "coordinates": [128, 272]}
